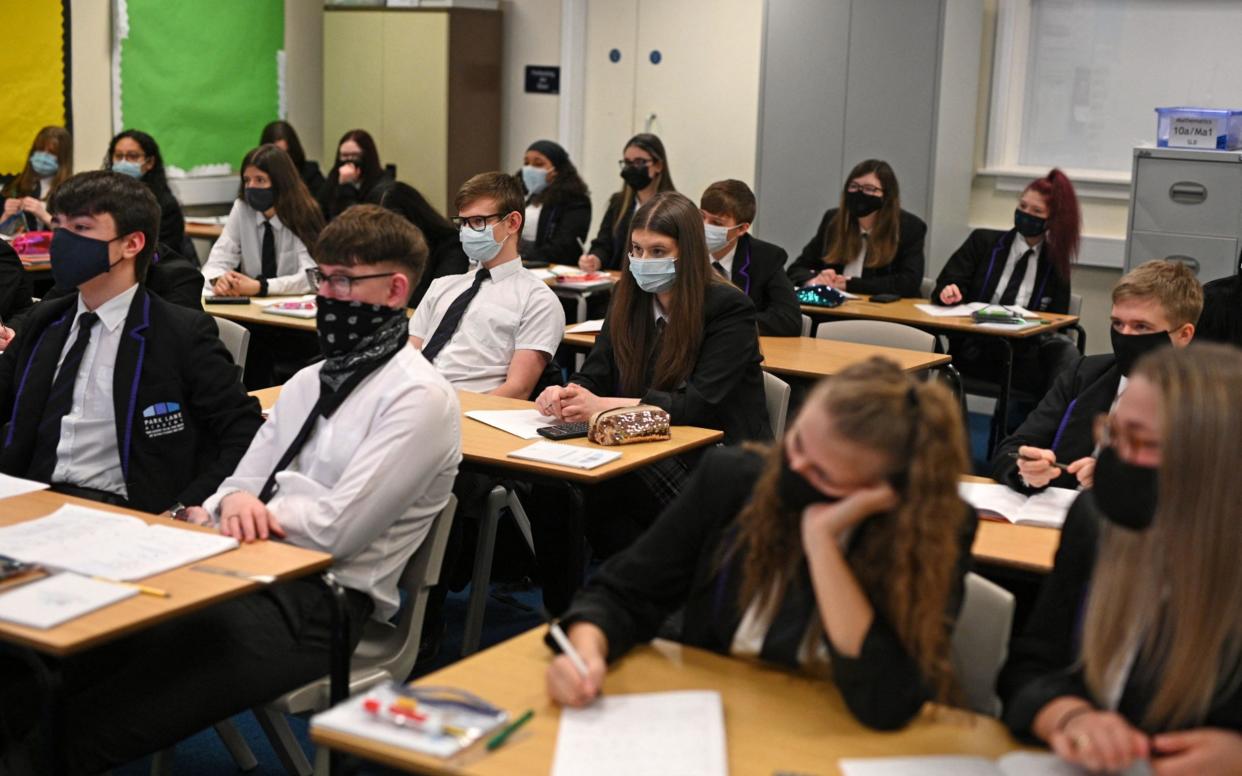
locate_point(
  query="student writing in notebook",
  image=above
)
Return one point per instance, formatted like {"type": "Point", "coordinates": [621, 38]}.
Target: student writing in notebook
{"type": "Point", "coordinates": [845, 542]}
{"type": "Point", "coordinates": [558, 205]}
{"type": "Point", "coordinates": [264, 247]}
{"type": "Point", "coordinates": [867, 244]}
{"type": "Point", "coordinates": [755, 266]}
{"type": "Point", "coordinates": [111, 393]}
{"type": "Point", "coordinates": [355, 460]}
{"type": "Point", "coordinates": [645, 172]}
{"type": "Point", "coordinates": [1134, 648]}
{"type": "Point", "coordinates": [1154, 305]}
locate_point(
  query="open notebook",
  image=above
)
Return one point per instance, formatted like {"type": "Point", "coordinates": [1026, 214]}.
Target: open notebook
{"type": "Point", "coordinates": [1047, 509]}
{"type": "Point", "coordinates": [1012, 764]}
{"type": "Point", "coordinates": [105, 544]}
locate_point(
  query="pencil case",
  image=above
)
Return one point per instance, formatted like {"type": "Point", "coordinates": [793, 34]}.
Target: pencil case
{"type": "Point", "coordinates": [627, 425]}
{"type": "Point", "coordinates": [820, 296]}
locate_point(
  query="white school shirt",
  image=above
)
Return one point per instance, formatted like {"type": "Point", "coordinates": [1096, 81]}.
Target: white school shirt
{"type": "Point", "coordinates": [240, 247]}
{"type": "Point", "coordinates": [727, 262]}
{"type": "Point", "coordinates": [1027, 288]}
{"type": "Point", "coordinates": [87, 454]}
{"type": "Point", "coordinates": [854, 267]}
{"type": "Point", "coordinates": [513, 310]}
{"type": "Point", "coordinates": [530, 224]}
{"type": "Point", "coordinates": [368, 482]}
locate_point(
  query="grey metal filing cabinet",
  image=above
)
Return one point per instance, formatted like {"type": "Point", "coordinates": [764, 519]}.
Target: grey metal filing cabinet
{"type": "Point", "coordinates": [1186, 204]}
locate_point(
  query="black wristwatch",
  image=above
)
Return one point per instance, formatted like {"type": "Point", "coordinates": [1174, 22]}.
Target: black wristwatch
{"type": "Point", "coordinates": [262, 286]}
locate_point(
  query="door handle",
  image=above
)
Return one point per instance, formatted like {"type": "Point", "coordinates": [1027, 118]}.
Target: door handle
{"type": "Point", "coordinates": [1188, 193]}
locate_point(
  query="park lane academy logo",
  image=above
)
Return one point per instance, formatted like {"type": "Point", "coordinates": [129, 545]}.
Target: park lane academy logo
{"type": "Point", "coordinates": [162, 419]}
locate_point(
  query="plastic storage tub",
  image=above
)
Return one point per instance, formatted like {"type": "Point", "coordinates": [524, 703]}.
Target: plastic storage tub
{"type": "Point", "coordinates": [1205, 128]}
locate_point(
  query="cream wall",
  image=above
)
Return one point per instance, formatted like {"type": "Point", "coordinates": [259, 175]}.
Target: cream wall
{"type": "Point", "coordinates": [532, 36]}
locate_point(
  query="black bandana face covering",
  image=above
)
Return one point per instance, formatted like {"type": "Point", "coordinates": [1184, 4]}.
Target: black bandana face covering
{"type": "Point", "coordinates": [343, 324]}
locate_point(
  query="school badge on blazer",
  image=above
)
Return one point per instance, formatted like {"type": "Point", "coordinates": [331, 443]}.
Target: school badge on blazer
{"type": "Point", "coordinates": [162, 419]}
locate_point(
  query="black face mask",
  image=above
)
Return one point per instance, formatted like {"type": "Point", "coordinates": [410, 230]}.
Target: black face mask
{"type": "Point", "coordinates": [341, 323]}
{"type": "Point", "coordinates": [796, 493]}
{"type": "Point", "coordinates": [636, 177]}
{"type": "Point", "coordinates": [1124, 493]}
{"type": "Point", "coordinates": [861, 205]}
{"type": "Point", "coordinates": [77, 258]}
{"type": "Point", "coordinates": [260, 199]}
{"type": "Point", "coordinates": [1029, 225]}
{"type": "Point", "coordinates": [1129, 348]}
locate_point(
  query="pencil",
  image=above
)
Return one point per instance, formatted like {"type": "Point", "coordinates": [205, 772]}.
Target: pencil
{"type": "Point", "coordinates": [1021, 457]}
{"type": "Point", "coordinates": [144, 589]}
{"type": "Point", "coordinates": [498, 740]}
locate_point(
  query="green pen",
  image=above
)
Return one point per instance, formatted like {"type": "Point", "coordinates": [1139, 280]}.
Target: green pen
{"type": "Point", "coordinates": [499, 739]}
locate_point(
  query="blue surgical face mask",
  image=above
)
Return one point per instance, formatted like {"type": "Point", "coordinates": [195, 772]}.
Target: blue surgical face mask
{"type": "Point", "coordinates": [535, 178]}
{"type": "Point", "coordinates": [77, 258]}
{"type": "Point", "coordinates": [126, 167]}
{"type": "Point", "coordinates": [44, 164]}
{"type": "Point", "coordinates": [481, 246]}
{"type": "Point", "coordinates": [717, 236]}
{"type": "Point", "coordinates": [655, 276]}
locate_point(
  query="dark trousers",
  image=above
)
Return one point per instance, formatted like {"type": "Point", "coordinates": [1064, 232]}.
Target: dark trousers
{"type": "Point", "coordinates": [146, 692]}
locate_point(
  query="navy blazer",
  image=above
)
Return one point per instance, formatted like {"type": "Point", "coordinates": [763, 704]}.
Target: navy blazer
{"type": "Point", "coordinates": [561, 225]}
{"type": "Point", "coordinates": [759, 270]}
{"type": "Point", "coordinates": [183, 419]}
{"type": "Point", "coordinates": [976, 268]}
{"type": "Point", "coordinates": [613, 245]}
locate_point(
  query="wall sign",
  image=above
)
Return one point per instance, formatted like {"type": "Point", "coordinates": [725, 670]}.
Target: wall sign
{"type": "Point", "coordinates": [543, 79]}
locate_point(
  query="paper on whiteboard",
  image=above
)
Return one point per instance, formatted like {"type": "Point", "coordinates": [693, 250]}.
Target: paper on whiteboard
{"type": "Point", "coordinates": [644, 734]}
{"type": "Point", "coordinates": [48, 602]}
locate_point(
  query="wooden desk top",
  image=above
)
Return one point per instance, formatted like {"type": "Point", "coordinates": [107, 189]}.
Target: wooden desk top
{"type": "Point", "coordinates": [1024, 547]}
{"type": "Point", "coordinates": [203, 231]}
{"type": "Point", "coordinates": [903, 311]}
{"type": "Point", "coordinates": [188, 590]}
{"type": "Point", "coordinates": [810, 357]}
{"type": "Point", "coordinates": [775, 720]}
{"type": "Point", "coordinates": [253, 313]}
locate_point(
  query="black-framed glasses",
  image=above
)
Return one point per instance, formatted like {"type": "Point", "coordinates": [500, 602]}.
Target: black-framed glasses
{"type": "Point", "coordinates": [129, 156]}
{"type": "Point", "coordinates": [340, 284]}
{"type": "Point", "coordinates": [868, 189]}
{"type": "Point", "coordinates": [623, 163]}
{"type": "Point", "coordinates": [1108, 433]}
{"type": "Point", "coordinates": [477, 223]}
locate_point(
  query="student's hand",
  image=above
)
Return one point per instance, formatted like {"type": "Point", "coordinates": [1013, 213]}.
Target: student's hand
{"type": "Point", "coordinates": [6, 336]}
{"type": "Point", "coordinates": [825, 278]}
{"type": "Point", "coordinates": [549, 401]}
{"type": "Point", "coordinates": [951, 294]}
{"type": "Point", "coordinates": [568, 687]}
{"type": "Point", "coordinates": [35, 207]}
{"type": "Point", "coordinates": [1100, 741]}
{"type": "Point", "coordinates": [831, 520]}
{"type": "Point", "coordinates": [197, 516]}
{"type": "Point", "coordinates": [589, 262]}
{"type": "Point", "coordinates": [578, 404]}
{"type": "Point", "coordinates": [1202, 750]}
{"type": "Point", "coordinates": [840, 282]}
{"type": "Point", "coordinates": [12, 207]}
{"type": "Point", "coordinates": [222, 286]}
{"type": "Point", "coordinates": [1037, 466]}
{"type": "Point", "coordinates": [1084, 470]}
{"type": "Point", "coordinates": [348, 173]}
{"type": "Point", "coordinates": [241, 285]}
{"type": "Point", "coordinates": [245, 518]}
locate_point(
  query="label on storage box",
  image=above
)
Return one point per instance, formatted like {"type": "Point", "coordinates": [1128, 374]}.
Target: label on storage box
{"type": "Point", "coordinates": [1187, 132]}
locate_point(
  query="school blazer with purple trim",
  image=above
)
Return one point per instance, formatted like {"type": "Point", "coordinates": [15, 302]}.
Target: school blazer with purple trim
{"type": "Point", "coordinates": [759, 270]}
{"type": "Point", "coordinates": [976, 269]}
{"type": "Point", "coordinates": [183, 419]}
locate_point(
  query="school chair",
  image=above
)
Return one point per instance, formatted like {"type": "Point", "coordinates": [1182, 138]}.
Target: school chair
{"type": "Point", "coordinates": [1080, 334]}
{"type": "Point", "coordinates": [926, 287]}
{"type": "Point", "coordinates": [807, 325]}
{"type": "Point", "coordinates": [236, 339]}
{"type": "Point", "coordinates": [500, 497]}
{"type": "Point", "coordinates": [980, 642]}
{"type": "Point", "coordinates": [776, 396]}
{"type": "Point", "coordinates": [385, 653]}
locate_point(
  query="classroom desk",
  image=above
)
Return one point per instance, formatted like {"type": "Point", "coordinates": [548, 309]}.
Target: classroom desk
{"type": "Point", "coordinates": [904, 311]}
{"type": "Point", "coordinates": [809, 357]}
{"type": "Point", "coordinates": [203, 231]}
{"type": "Point", "coordinates": [776, 721]}
{"type": "Point", "coordinates": [1023, 547]}
{"type": "Point", "coordinates": [253, 313]}
{"type": "Point", "coordinates": [581, 295]}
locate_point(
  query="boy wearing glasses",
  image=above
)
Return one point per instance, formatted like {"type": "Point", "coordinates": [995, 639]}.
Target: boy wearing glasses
{"type": "Point", "coordinates": [495, 328]}
{"type": "Point", "coordinates": [1154, 305]}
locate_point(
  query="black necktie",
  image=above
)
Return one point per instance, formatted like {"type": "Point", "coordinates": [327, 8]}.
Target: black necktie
{"type": "Point", "coordinates": [269, 251]}
{"type": "Point", "coordinates": [452, 318]}
{"type": "Point", "coordinates": [720, 269]}
{"type": "Point", "coordinates": [59, 403]}
{"type": "Point", "coordinates": [1015, 280]}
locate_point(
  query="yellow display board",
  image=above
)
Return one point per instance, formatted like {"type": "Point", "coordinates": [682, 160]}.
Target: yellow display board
{"type": "Point", "coordinates": [34, 80]}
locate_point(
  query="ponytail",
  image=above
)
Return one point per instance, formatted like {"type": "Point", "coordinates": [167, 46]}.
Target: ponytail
{"type": "Point", "coordinates": [1064, 233]}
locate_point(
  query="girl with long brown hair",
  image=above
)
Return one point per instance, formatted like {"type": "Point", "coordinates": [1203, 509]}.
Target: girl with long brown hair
{"type": "Point", "coordinates": [846, 542]}
{"type": "Point", "coordinates": [265, 245]}
{"type": "Point", "coordinates": [677, 336]}
{"type": "Point", "coordinates": [49, 164]}
{"type": "Point", "coordinates": [356, 175]}
{"type": "Point", "coordinates": [867, 244]}
{"type": "Point", "coordinates": [644, 170]}
{"type": "Point", "coordinates": [1148, 573]}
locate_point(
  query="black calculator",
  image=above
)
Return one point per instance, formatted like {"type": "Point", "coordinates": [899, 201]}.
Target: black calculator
{"type": "Point", "coordinates": [564, 431]}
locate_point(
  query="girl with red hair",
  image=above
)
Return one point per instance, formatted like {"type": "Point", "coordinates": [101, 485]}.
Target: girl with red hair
{"type": "Point", "coordinates": [1028, 266]}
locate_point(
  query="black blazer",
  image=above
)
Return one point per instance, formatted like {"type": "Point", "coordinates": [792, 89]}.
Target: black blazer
{"type": "Point", "coordinates": [976, 268]}
{"type": "Point", "coordinates": [172, 222]}
{"type": "Point", "coordinates": [561, 225]}
{"type": "Point", "coordinates": [677, 564]}
{"type": "Point", "coordinates": [612, 245]}
{"type": "Point", "coordinates": [183, 419]}
{"type": "Point", "coordinates": [1064, 420]}
{"type": "Point", "coordinates": [1221, 319]}
{"type": "Point", "coordinates": [759, 270]}
{"type": "Point", "coordinates": [312, 177]}
{"type": "Point", "coordinates": [1041, 663]}
{"type": "Point", "coordinates": [725, 388]}
{"type": "Point", "coordinates": [334, 199]}
{"type": "Point", "coordinates": [15, 287]}
{"type": "Point", "coordinates": [446, 258]}
{"type": "Point", "coordinates": [903, 275]}
{"type": "Point", "coordinates": [171, 276]}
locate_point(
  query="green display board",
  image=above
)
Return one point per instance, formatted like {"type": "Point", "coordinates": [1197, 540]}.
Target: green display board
{"type": "Point", "coordinates": [201, 76]}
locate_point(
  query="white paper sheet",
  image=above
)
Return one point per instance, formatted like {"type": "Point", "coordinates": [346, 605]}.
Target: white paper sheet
{"type": "Point", "coordinates": [105, 544]}
{"type": "Point", "coordinates": [16, 486]}
{"type": "Point", "coordinates": [575, 456]}
{"type": "Point", "coordinates": [965, 309]}
{"type": "Point", "coordinates": [48, 602]}
{"type": "Point", "coordinates": [520, 423]}
{"type": "Point", "coordinates": [586, 327]}
{"type": "Point", "coordinates": [644, 734]}
{"type": "Point", "coordinates": [1012, 764]}
{"type": "Point", "coordinates": [1048, 508]}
